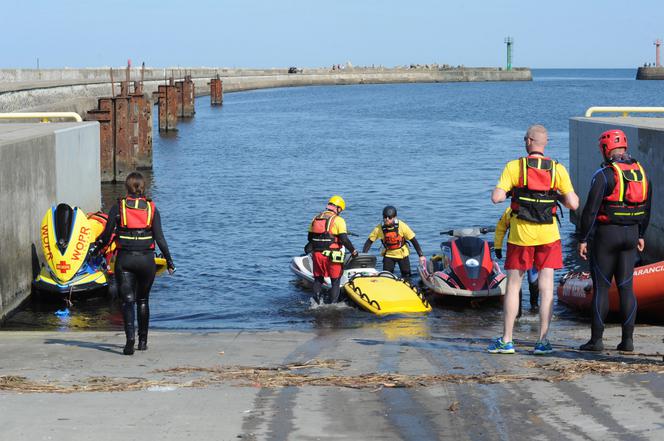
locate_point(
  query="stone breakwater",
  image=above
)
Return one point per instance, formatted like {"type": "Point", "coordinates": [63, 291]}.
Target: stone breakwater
{"type": "Point", "coordinates": [650, 73]}
{"type": "Point", "coordinates": [77, 90]}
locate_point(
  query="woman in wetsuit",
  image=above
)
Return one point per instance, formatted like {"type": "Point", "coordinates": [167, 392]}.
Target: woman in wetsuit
{"type": "Point", "coordinates": [137, 225]}
{"type": "Point", "coordinates": [614, 219]}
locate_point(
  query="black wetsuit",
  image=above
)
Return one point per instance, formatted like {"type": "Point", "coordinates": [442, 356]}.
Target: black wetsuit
{"type": "Point", "coordinates": [333, 295]}
{"type": "Point", "coordinates": [390, 262]}
{"type": "Point", "coordinates": [134, 274]}
{"type": "Point", "coordinates": [613, 254]}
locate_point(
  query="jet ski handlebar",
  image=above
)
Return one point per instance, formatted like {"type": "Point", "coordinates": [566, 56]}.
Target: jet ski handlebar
{"type": "Point", "coordinates": [468, 232]}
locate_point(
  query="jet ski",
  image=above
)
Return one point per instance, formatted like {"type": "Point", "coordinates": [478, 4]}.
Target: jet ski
{"type": "Point", "coordinates": [465, 267]}
{"type": "Point", "coordinates": [302, 266]}
{"type": "Point", "coordinates": [71, 270]}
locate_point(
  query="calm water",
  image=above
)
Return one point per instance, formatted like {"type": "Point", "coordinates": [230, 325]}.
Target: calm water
{"type": "Point", "coordinates": [238, 185]}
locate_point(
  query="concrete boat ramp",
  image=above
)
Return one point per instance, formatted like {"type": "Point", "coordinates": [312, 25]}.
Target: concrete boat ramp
{"type": "Point", "coordinates": [392, 381]}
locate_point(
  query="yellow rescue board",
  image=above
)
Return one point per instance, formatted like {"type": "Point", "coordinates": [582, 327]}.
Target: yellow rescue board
{"type": "Point", "coordinates": [161, 264]}
{"type": "Point", "coordinates": [386, 294]}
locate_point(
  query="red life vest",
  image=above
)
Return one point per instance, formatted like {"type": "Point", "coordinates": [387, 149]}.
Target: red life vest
{"type": "Point", "coordinates": [391, 238]}
{"type": "Point", "coordinates": [135, 224]}
{"type": "Point", "coordinates": [626, 205]}
{"type": "Point", "coordinates": [321, 229]}
{"type": "Point", "coordinates": [534, 198]}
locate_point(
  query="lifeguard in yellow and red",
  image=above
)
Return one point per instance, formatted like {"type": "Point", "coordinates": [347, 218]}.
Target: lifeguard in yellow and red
{"type": "Point", "coordinates": [536, 183]}
{"type": "Point", "coordinates": [327, 235]}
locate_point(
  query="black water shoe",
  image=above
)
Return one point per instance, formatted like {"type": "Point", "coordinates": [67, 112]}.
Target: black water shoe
{"type": "Point", "coordinates": [593, 345]}
{"type": "Point", "coordinates": [129, 347]}
{"type": "Point", "coordinates": [142, 345]}
{"type": "Point", "coordinates": [626, 345]}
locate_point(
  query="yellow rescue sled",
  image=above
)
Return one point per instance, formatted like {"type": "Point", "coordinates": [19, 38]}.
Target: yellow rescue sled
{"type": "Point", "coordinates": [384, 294]}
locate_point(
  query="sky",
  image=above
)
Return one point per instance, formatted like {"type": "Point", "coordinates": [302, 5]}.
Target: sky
{"type": "Point", "coordinates": [312, 33]}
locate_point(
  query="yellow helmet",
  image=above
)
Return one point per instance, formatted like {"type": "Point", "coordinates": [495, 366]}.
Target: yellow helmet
{"type": "Point", "coordinates": [338, 201]}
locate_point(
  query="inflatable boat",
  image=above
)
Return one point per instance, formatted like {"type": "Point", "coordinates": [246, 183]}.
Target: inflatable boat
{"type": "Point", "coordinates": [575, 290]}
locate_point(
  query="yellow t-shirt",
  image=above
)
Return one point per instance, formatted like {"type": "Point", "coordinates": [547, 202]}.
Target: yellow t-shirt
{"type": "Point", "coordinates": [338, 226]}
{"type": "Point", "coordinates": [523, 232]}
{"type": "Point", "coordinates": [501, 228]}
{"type": "Point", "coordinates": [404, 231]}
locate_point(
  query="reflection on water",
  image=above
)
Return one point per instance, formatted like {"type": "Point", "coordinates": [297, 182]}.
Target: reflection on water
{"type": "Point", "coordinates": [237, 186]}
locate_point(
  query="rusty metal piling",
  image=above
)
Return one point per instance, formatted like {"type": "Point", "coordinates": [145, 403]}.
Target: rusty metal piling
{"type": "Point", "coordinates": [167, 102]}
{"type": "Point", "coordinates": [125, 124]}
{"type": "Point", "coordinates": [185, 89]}
{"type": "Point", "coordinates": [216, 91]}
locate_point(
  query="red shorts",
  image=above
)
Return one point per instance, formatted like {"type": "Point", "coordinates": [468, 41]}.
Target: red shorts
{"type": "Point", "coordinates": [323, 266]}
{"type": "Point", "coordinates": [522, 258]}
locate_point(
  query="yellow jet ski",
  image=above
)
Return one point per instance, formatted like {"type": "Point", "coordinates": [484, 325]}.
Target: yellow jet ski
{"type": "Point", "coordinates": [384, 294]}
{"type": "Point", "coordinates": [70, 270]}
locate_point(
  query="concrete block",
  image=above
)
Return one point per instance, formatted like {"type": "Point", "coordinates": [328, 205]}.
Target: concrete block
{"type": "Point", "coordinates": [39, 167]}
{"type": "Point", "coordinates": [646, 143]}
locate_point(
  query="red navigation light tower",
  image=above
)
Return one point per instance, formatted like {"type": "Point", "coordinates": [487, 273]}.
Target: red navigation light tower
{"type": "Point", "coordinates": [657, 44]}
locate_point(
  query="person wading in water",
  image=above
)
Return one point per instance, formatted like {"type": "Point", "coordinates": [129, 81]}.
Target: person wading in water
{"type": "Point", "coordinates": [136, 223]}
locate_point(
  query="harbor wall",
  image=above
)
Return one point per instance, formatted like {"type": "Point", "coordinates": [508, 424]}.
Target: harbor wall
{"type": "Point", "coordinates": [40, 165]}
{"type": "Point", "coordinates": [650, 73]}
{"type": "Point", "coordinates": [645, 137]}
{"type": "Point", "coordinates": [78, 89]}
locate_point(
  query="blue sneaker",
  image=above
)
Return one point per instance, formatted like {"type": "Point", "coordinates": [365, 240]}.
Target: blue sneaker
{"type": "Point", "coordinates": [542, 347]}
{"type": "Point", "coordinates": [500, 347]}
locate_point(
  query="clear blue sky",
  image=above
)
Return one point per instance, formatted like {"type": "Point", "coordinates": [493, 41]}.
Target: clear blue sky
{"type": "Point", "coordinates": [266, 33]}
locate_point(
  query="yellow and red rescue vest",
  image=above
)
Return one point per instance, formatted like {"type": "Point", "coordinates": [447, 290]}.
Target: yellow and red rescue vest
{"type": "Point", "coordinates": [534, 198]}
{"type": "Point", "coordinates": [321, 228]}
{"type": "Point", "coordinates": [392, 240]}
{"type": "Point", "coordinates": [135, 224]}
{"type": "Point", "coordinates": [626, 205]}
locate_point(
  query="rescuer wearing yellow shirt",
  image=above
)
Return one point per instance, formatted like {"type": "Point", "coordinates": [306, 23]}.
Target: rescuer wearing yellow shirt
{"type": "Point", "coordinates": [536, 183]}
{"type": "Point", "coordinates": [394, 233]}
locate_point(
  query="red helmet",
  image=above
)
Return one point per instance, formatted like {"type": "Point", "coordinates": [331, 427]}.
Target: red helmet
{"type": "Point", "coordinates": [611, 140]}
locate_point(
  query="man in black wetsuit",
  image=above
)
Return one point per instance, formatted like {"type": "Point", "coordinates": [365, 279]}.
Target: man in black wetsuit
{"type": "Point", "coordinates": [614, 219]}
{"type": "Point", "coordinates": [137, 224]}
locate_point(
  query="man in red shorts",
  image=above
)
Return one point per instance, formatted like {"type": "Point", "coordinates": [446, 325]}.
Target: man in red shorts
{"type": "Point", "coordinates": [327, 235]}
{"type": "Point", "coordinates": [535, 182]}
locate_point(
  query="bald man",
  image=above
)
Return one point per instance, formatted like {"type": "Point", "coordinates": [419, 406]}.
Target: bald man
{"type": "Point", "coordinates": [535, 182]}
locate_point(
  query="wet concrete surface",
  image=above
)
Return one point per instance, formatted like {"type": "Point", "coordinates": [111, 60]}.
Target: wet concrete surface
{"type": "Point", "coordinates": [326, 384]}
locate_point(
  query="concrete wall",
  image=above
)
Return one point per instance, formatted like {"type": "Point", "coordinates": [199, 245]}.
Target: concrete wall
{"type": "Point", "coordinates": [646, 143]}
{"type": "Point", "coordinates": [40, 165]}
{"type": "Point", "coordinates": [650, 73]}
{"type": "Point", "coordinates": [78, 89]}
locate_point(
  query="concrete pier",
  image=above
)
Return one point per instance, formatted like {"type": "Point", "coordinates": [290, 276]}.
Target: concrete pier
{"type": "Point", "coordinates": [40, 165]}
{"type": "Point", "coordinates": [646, 143]}
{"type": "Point", "coordinates": [396, 379]}
{"type": "Point", "coordinates": [650, 73]}
{"type": "Point", "coordinates": [78, 89]}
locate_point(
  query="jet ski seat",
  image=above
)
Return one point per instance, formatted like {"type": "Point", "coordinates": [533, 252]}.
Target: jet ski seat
{"type": "Point", "coordinates": [360, 261]}
{"type": "Point", "coordinates": [63, 222]}
{"type": "Point", "coordinates": [470, 246]}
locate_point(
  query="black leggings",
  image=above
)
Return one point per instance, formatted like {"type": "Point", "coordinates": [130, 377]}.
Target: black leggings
{"type": "Point", "coordinates": [134, 274]}
{"type": "Point", "coordinates": [613, 254]}
{"type": "Point", "coordinates": [330, 296]}
{"type": "Point", "coordinates": [404, 265]}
